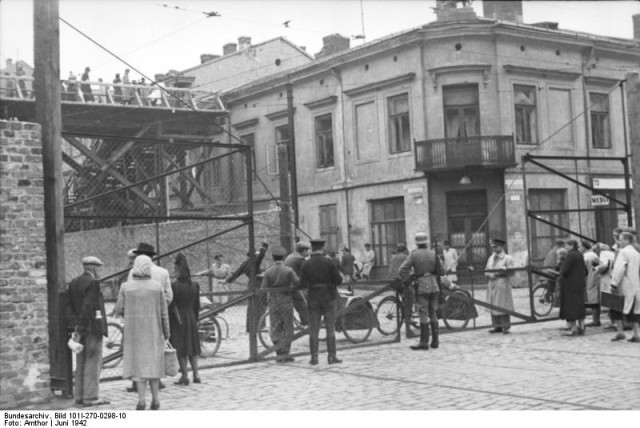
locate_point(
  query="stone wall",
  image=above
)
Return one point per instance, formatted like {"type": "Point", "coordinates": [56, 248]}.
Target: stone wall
{"type": "Point", "coordinates": [24, 360]}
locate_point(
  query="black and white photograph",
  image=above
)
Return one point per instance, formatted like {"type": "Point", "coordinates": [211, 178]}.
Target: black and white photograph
{"type": "Point", "coordinates": [319, 212]}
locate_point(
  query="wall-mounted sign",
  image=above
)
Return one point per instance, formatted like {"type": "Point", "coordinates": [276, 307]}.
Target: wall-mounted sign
{"type": "Point", "coordinates": [599, 201]}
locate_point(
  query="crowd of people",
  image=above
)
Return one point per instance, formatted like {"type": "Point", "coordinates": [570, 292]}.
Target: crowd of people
{"type": "Point", "coordinates": [158, 311]}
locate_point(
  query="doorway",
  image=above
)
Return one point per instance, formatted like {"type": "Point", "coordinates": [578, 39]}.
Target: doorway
{"type": "Point", "coordinates": [468, 230]}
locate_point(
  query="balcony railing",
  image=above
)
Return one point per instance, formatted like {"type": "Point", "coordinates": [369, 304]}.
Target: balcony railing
{"type": "Point", "coordinates": [75, 91]}
{"type": "Point", "coordinates": [457, 153]}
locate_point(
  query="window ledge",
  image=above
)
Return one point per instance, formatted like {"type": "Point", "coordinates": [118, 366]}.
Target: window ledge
{"type": "Point", "coordinates": [380, 85]}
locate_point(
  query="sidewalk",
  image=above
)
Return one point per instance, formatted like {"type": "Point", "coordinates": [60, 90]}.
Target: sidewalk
{"type": "Point", "coordinates": [534, 367]}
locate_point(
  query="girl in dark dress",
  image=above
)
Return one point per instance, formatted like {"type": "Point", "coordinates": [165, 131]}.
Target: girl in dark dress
{"type": "Point", "coordinates": [183, 319]}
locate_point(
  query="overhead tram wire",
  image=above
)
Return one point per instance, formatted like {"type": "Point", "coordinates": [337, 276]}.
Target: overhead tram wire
{"type": "Point", "coordinates": [178, 99]}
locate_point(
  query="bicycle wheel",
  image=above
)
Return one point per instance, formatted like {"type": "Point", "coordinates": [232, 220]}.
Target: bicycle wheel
{"type": "Point", "coordinates": [365, 321]}
{"type": "Point", "coordinates": [456, 311]}
{"type": "Point", "coordinates": [210, 335]}
{"type": "Point", "coordinates": [112, 346]}
{"type": "Point", "coordinates": [264, 328]}
{"type": "Point", "coordinates": [387, 315]}
{"type": "Point", "coordinates": [542, 303]}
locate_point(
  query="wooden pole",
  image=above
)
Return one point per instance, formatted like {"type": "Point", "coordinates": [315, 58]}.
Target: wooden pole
{"type": "Point", "coordinates": [633, 120]}
{"type": "Point", "coordinates": [48, 115]}
{"type": "Point", "coordinates": [285, 211]}
{"type": "Point", "coordinates": [292, 160]}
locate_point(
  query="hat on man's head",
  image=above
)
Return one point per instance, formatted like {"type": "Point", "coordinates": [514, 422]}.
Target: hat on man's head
{"type": "Point", "coordinates": [317, 243]}
{"type": "Point", "coordinates": [499, 242]}
{"type": "Point", "coordinates": [301, 246]}
{"type": "Point", "coordinates": [132, 253]}
{"type": "Point", "coordinates": [278, 252]}
{"type": "Point", "coordinates": [146, 249]}
{"type": "Point", "coordinates": [421, 238]}
{"type": "Point", "coordinates": [631, 230]}
{"type": "Point", "coordinates": [92, 261]}
{"type": "Point", "coordinates": [401, 248]}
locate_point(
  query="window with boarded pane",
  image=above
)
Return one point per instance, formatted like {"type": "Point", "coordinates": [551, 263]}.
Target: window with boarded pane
{"type": "Point", "coordinates": [367, 137]}
{"type": "Point", "coordinates": [560, 116]}
{"type": "Point", "coordinates": [324, 141]}
{"type": "Point", "coordinates": [387, 229]}
{"type": "Point", "coordinates": [524, 98]}
{"type": "Point", "coordinates": [249, 139]}
{"type": "Point", "coordinates": [544, 235]}
{"type": "Point", "coordinates": [461, 111]}
{"type": "Point", "coordinates": [600, 133]}
{"type": "Point", "coordinates": [329, 226]}
{"type": "Point", "coordinates": [399, 127]}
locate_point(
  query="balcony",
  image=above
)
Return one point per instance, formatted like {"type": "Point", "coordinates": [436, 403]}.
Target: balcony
{"type": "Point", "coordinates": [450, 154]}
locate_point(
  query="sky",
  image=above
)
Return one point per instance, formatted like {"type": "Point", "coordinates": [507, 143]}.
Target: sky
{"type": "Point", "coordinates": [155, 36]}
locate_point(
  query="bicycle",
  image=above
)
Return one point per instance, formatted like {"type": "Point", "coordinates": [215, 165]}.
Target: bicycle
{"type": "Point", "coordinates": [112, 346]}
{"type": "Point", "coordinates": [544, 296]}
{"type": "Point", "coordinates": [456, 312]}
{"type": "Point", "coordinates": [356, 325]}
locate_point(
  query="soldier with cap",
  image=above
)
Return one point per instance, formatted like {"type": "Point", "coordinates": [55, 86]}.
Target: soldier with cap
{"type": "Point", "coordinates": [422, 268]}
{"type": "Point", "coordinates": [294, 261]}
{"type": "Point", "coordinates": [321, 277]}
{"type": "Point", "coordinates": [280, 277]}
{"type": "Point", "coordinates": [499, 287]}
{"type": "Point", "coordinates": [86, 316]}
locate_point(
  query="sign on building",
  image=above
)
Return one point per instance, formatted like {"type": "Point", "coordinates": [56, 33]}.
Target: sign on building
{"type": "Point", "coordinates": [599, 201]}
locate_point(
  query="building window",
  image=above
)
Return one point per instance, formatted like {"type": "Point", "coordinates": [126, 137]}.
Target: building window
{"type": "Point", "coordinates": [467, 227]}
{"type": "Point", "coordinates": [324, 141]}
{"type": "Point", "coordinates": [560, 116]}
{"type": "Point", "coordinates": [282, 137]}
{"type": "Point", "coordinates": [600, 134]}
{"type": "Point", "coordinates": [367, 138]}
{"type": "Point", "coordinates": [524, 98]}
{"type": "Point", "coordinates": [399, 128]}
{"type": "Point", "coordinates": [387, 230]}
{"type": "Point", "coordinates": [544, 235]}
{"type": "Point", "coordinates": [216, 173]}
{"type": "Point", "coordinates": [461, 111]}
{"type": "Point", "coordinates": [249, 139]}
{"type": "Point", "coordinates": [329, 226]}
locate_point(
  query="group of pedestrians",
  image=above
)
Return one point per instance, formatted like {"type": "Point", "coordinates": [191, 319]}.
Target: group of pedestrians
{"type": "Point", "coordinates": [586, 272]}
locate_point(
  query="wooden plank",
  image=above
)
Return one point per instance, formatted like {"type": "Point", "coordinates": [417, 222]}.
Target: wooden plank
{"type": "Point", "coordinates": [184, 173]}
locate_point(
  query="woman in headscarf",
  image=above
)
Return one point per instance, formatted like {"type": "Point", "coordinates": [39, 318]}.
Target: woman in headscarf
{"type": "Point", "coordinates": [183, 312]}
{"type": "Point", "coordinates": [146, 327]}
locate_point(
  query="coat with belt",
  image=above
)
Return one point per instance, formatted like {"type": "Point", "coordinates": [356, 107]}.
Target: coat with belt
{"type": "Point", "coordinates": [321, 276]}
{"type": "Point", "coordinates": [422, 265]}
{"type": "Point", "coordinates": [626, 277]}
{"type": "Point", "coordinates": [573, 283]}
{"type": "Point", "coordinates": [499, 289]}
{"type": "Point", "coordinates": [84, 303]}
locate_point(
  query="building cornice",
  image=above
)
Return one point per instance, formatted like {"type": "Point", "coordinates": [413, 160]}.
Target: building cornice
{"type": "Point", "coordinates": [323, 102]}
{"type": "Point", "coordinates": [245, 124]}
{"type": "Point", "coordinates": [460, 68]}
{"type": "Point", "coordinates": [278, 114]}
{"type": "Point", "coordinates": [537, 71]}
{"type": "Point", "coordinates": [375, 86]}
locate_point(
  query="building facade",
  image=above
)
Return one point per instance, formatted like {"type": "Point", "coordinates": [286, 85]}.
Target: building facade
{"type": "Point", "coordinates": [424, 130]}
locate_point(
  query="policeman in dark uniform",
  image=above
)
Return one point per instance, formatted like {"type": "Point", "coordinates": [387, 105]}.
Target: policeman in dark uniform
{"type": "Point", "coordinates": [320, 275]}
{"type": "Point", "coordinates": [423, 268]}
{"type": "Point", "coordinates": [281, 277]}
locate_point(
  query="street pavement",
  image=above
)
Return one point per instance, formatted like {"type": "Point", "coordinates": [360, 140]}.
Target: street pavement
{"type": "Point", "coordinates": [535, 367]}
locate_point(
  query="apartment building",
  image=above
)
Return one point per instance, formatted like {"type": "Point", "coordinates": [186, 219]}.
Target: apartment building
{"type": "Point", "coordinates": [425, 129]}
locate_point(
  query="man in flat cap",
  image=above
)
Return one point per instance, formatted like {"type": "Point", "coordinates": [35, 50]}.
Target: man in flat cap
{"type": "Point", "coordinates": [280, 277]}
{"type": "Point", "coordinates": [422, 267]}
{"type": "Point", "coordinates": [321, 277]}
{"type": "Point", "coordinates": [294, 261]}
{"type": "Point", "coordinates": [499, 286]}
{"type": "Point", "coordinates": [86, 317]}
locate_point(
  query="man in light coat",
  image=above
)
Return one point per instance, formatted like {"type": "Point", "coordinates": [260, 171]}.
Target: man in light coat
{"type": "Point", "coordinates": [625, 281]}
{"type": "Point", "coordinates": [499, 287]}
{"type": "Point", "coordinates": [368, 261]}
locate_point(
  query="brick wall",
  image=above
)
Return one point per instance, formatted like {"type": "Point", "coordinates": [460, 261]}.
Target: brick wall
{"type": "Point", "coordinates": [24, 361]}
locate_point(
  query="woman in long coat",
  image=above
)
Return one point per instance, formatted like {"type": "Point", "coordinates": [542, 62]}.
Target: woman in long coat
{"type": "Point", "coordinates": [183, 317]}
{"type": "Point", "coordinates": [146, 327]}
{"type": "Point", "coordinates": [574, 281]}
{"type": "Point", "coordinates": [592, 292]}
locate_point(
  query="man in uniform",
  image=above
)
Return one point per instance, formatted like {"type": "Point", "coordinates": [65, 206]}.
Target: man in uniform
{"type": "Point", "coordinates": [320, 276]}
{"type": "Point", "coordinates": [422, 267]}
{"type": "Point", "coordinates": [294, 261]}
{"type": "Point", "coordinates": [407, 290]}
{"type": "Point", "coordinates": [280, 304]}
{"type": "Point", "coordinates": [86, 317]}
{"type": "Point", "coordinates": [499, 287]}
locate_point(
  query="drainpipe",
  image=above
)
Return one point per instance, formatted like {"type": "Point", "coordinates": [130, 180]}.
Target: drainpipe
{"type": "Point", "coordinates": [587, 123]}
{"type": "Point", "coordinates": [338, 74]}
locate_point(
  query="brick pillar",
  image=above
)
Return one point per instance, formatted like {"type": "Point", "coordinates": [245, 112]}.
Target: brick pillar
{"type": "Point", "coordinates": [24, 360]}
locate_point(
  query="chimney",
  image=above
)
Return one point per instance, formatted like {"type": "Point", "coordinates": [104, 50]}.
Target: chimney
{"type": "Point", "coordinates": [503, 10]}
{"type": "Point", "coordinates": [229, 48]}
{"type": "Point", "coordinates": [636, 26]}
{"type": "Point", "coordinates": [208, 57]}
{"type": "Point", "coordinates": [447, 10]}
{"type": "Point", "coordinates": [244, 42]}
{"type": "Point", "coordinates": [333, 43]}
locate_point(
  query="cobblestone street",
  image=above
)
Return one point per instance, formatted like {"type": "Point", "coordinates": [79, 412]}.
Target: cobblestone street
{"type": "Point", "coordinates": [535, 367]}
